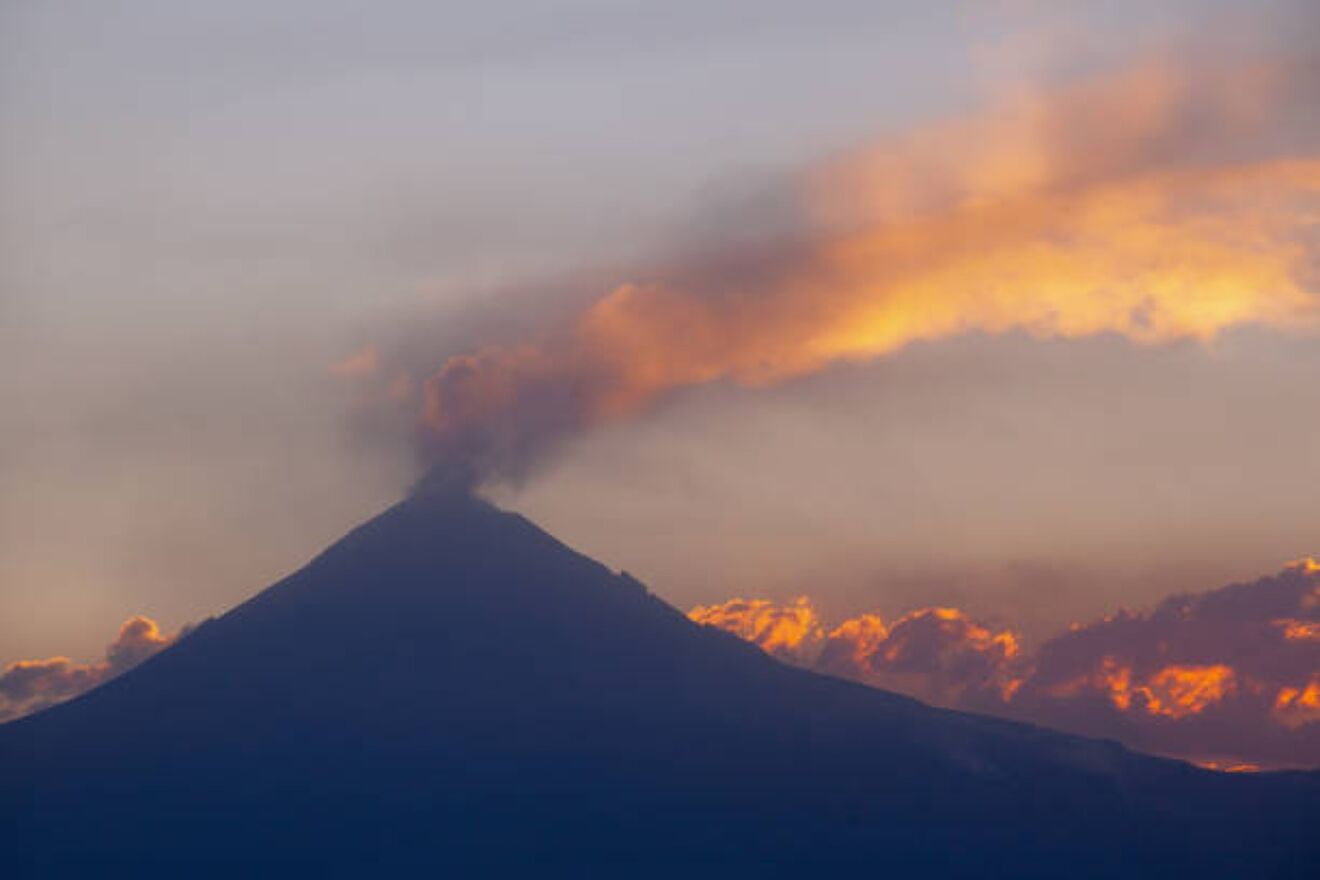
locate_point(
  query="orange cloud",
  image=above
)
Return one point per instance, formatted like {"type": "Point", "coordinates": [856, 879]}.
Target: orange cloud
{"type": "Point", "coordinates": [1299, 630]}
{"type": "Point", "coordinates": [30, 685]}
{"type": "Point", "coordinates": [791, 631]}
{"type": "Point", "coordinates": [1298, 706]}
{"type": "Point", "coordinates": [1155, 204]}
{"type": "Point", "coordinates": [850, 645]}
{"type": "Point", "coordinates": [1230, 766]}
{"type": "Point", "coordinates": [1173, 691]}
{"type": "Point", "coordinates": [943, 655]}
{"type": "Point", "coordinates": [939, 654]}
{"type": "Point", "coordinates": [1228, 678]}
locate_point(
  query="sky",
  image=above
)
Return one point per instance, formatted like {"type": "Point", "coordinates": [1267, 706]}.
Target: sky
{"type": "Point", "coordinates": [242, 244]}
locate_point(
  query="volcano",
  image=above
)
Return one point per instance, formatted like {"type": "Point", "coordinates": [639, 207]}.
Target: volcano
{"type": "Point", "coordinates": [450, 687]}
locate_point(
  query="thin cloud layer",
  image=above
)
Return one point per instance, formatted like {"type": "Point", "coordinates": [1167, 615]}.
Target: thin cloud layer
{"type": "Point", "coordinates": [1229, 678]}
{"type": "Point", "coordinates": [28, 686]}
{"type": "Point", "coordinates": [1168, 202]}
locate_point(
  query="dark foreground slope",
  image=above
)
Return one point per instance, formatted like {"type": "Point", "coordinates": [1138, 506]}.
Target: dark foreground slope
{"type": "Point", "coordinates": [449, 685]}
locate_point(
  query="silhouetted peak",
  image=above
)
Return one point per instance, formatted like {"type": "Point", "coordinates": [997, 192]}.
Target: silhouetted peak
{"type": "Point", "coordinates": [449, 683]}
{"type": "Point", "coordinates": [446, 547]}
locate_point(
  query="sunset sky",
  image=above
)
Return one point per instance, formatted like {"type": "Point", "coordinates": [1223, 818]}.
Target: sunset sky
{"type": "Point", "coordinates": [1007, 307]}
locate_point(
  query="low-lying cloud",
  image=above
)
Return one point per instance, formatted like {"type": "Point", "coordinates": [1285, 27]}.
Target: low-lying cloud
{"type": "Point", "coordinates": [1228, 677]}
{"type": "Point", "coordinates": [789, 631]}
{"type": "Point", "coordinates": [28, 686]}
{"type": "Point", "coordinates": [1233, 673]}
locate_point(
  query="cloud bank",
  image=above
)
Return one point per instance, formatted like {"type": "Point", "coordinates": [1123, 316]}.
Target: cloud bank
{"type": "Point", "coordinates": [1230, 677]}
{"type": "Point", "coordinates": [28, 686]}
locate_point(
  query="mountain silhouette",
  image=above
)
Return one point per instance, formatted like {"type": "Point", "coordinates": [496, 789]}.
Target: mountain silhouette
{"type": "Point", "coordinates": [448, 686]}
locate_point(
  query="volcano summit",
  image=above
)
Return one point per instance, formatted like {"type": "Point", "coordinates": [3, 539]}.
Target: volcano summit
{"type": "Point", "coordinates": [449, 686]}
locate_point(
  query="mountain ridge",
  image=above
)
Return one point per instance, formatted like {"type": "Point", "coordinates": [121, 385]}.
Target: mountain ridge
{"type": "Point", "coordinates": [448, 682]}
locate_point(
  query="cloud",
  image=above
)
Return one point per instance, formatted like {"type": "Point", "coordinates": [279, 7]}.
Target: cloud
{"type": "Point", "coordinates": [1166, 202]}
{"type": "Point", "coordinates": [791, 632]}
{"type": "Point", "coordinates": [1232, 673]}
{"type": "Point", "coordinates": [29, 681]}
{"type": "Point", "coordinates": [850, 646]}
{"type": "Point", "coordinates": [1229, 677]}
{"type": "Point", "coordinates": [939, 654]}
{"type": "Point", "coordinates": [362, 362]}
{"type": "Point", "coordinates": [27, 686]}
{"type": "Point", "coordinates": [943, 655]}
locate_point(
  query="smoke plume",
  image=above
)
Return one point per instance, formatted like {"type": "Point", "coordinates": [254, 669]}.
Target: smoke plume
{"type": "Point", "coordinates": [1171, 201]}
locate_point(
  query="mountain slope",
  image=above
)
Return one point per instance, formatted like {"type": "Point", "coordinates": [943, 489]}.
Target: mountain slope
{"type": "Point", "coordinates": [450, 685]}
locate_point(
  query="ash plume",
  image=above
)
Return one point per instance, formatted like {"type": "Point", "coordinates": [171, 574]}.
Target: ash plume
{"type": "Point", "coordinates": [1167, 202]}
